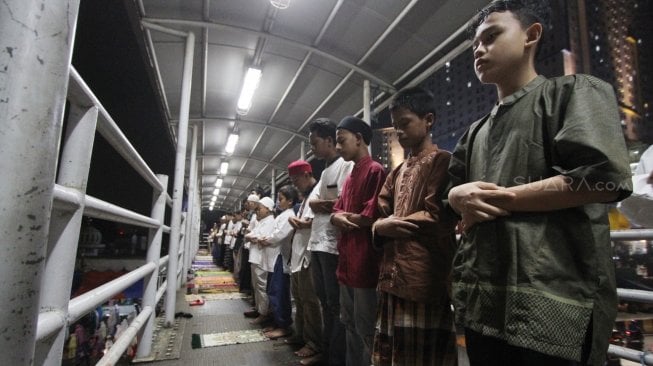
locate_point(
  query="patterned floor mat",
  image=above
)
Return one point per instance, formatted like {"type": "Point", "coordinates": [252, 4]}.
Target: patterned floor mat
{"type": "Point", "coordinates": [226, 338]}
{"type": "Point", "coordinates": [221, 296]}
{"type": "Point", "coordinates": [166, 342]}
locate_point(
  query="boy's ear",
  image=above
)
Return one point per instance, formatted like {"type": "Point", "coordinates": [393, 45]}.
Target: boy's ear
{"type": "Point", "coordinates": [430, 119]}
{"type": "Point", "coordinates": [533, 34]}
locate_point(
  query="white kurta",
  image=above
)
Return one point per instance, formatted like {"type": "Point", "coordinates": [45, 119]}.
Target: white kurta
{"type": "Point", "coordinates": [324, 236]}
{"type": "Point", "coordinates": [265, 225]}
{"type": "Point", "coordinates": [301, 256]}
{"type": "Point", "coordinates": [279, 238]}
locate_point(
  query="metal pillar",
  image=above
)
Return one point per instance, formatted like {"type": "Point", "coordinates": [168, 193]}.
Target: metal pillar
{"type": "Point", "coordinates": [65, 226]}
{"type": "Point", "coordinates": [192, 186]}
{"type": "Point", "coordinates": [178, 185]}
{"type": "Point", "coordinates": [367, 100]}
{"type": "Point", "coordinates": [273, 185]}
{"type": "Point", "coordinates": [36, 49]}
{"type": "Point", "coordinates": [153, 254]}
{"type": "Point", "coordinates": [302, 150]}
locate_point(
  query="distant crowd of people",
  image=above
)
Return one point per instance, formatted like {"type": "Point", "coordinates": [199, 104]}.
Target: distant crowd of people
{"type": "Point", "coordinates": [370, 257]}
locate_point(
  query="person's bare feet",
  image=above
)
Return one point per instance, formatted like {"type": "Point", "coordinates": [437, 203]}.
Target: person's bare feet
{"type": "Point", "coordinates": [305, 351]}
{"type": "Point", "coordinates": [278, 333]}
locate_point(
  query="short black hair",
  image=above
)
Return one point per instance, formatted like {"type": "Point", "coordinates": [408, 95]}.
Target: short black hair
{"type": "Point", "coordinates": [290, 192]}
{"type": "Point", "coordinates": [416, 99]}
{"type": "Point", "coordinates": [323, 128]}
{"type": "Point", "coordinates": [526, 11]}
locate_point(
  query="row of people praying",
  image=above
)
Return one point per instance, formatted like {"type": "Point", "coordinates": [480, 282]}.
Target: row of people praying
{"type": "Point", "coordinates": [531, 281]}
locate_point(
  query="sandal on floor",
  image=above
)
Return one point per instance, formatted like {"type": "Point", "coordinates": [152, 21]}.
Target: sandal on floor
{"type": "Point", "coordinates": [306, 351]}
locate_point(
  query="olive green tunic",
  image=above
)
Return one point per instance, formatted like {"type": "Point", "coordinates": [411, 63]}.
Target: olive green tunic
{"type": "Point", "coordinates": [536, 279]}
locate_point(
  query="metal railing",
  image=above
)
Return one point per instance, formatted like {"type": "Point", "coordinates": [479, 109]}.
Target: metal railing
{"type": "Point", "coordinates": [87, 115]}
{"type": "Point", "coordinates": [643, 357]}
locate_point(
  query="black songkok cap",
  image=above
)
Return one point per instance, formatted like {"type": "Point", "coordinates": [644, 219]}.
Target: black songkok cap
{"type": "Point", "coordinates": [357, 125]}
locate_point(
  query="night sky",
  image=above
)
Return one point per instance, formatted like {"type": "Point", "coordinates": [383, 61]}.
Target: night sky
{"type": "Point", "coordinates": [108, 58]}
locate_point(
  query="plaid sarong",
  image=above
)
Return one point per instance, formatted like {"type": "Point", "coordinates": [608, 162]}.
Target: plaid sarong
{"type": "Point", "coordinates": [410, 333]}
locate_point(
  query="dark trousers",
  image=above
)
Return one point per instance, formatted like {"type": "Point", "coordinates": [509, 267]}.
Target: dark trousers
{"type": "Point", "coordinates": [279, 294]}
{"type": "Point", "coordinates": [490, 351]}
{"type": "Point", "coordinates": [323, 267]}
{"type": "Point", "coordinates": [245, 275]}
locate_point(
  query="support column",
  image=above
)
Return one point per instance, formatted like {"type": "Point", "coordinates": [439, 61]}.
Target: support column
{"type": "Point", "coordinates": [178, 185]}
{"type": "Point", "coordinates": [153, 255]}
{"type": "Point", "coordinates": [35, 52]}
{"type": "Point", "coordinates": [65, 226]}
{"type": "Point", "coordinates": [367, 102]}
{"type": "Point", "coordinates": [273, 185]}
{"type": "Point", "coordinates": [190, 206]}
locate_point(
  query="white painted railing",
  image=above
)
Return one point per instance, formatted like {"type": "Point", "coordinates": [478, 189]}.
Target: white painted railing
{"type": "Point", "coordinates": [645, 358]}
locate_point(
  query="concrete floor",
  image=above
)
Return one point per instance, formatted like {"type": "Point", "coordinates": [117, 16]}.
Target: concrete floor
{"type": "Point", "coordinates": [224, 316]}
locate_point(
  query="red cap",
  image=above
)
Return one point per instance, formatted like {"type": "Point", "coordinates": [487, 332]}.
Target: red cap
{"type": "Point", "coordinates": [298, 167]}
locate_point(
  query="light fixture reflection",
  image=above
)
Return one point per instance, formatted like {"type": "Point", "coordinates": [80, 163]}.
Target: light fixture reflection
{"type": "Point", "coordinates": [281, 4]}
{"type": "Point", "coordinates": [250, 84]}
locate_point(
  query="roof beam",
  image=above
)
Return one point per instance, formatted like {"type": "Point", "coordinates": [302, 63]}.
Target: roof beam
{"type": "Point", "coordinates": [220, 26]}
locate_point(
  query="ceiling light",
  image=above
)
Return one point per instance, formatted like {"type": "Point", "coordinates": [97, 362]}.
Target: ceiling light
{"type": "Point", "coordinates": [214, 198]}
{"type": "Point", "coordinates": [250, 84]}
{"type": "Point", "coordinates": [218, 182]}
{"type": "Point", "coordinates": [231, 143]}
{"type": "Point", "coordinates": [216, 191]}
{"type": "Point", "coordinates": [224, 167]}
{"type": "Point", "coordinates": [281, 4]}
{"type": "Point", "coordinates": [210, 208]}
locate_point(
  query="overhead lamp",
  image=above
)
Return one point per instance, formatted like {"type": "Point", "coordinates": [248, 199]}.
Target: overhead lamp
{"type": "Point", "coordinates": [216, 191]}
{"type": "Point", "coordinates": [218, 183]}
{"type": "Point", "coordinates": [224, 167]}
{"type": "Point", "coordinates": [214, 198]}
{"type": "Point", "coordinates": [210, 208]}
{"type": "Point", "coordinates": [250, 84]}
{"type": "Point", "coordinates": [231, 143]}
{"type": "Point", "coordinates": [280, 4]}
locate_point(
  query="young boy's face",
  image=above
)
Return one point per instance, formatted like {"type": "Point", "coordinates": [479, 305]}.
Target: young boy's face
{"type": "Point", "coordinates": [283, 202]}
{"type": "Point", "coordinates": [410, 128]}
{"type": "Point", "coordinates": [261, 211]}
{"type": "Point", "coordinates": [347, 144]}
{"type": "Point", "coordinates": [499, 48]}
{"type": "Point", "coordinates": [321, 147]}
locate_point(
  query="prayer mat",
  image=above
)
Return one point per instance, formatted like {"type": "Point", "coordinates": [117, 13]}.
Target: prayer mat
{"type": "Point", "coordinates": [227, 338]}
{"type": "Point", "coordinates": [216, 283]}
{"type": "Point", "coordinates": [218, 296]}
{"type": "Point", "coordinates": [209, 273]}
{"type": "Point", "coordinates": [166, 342]}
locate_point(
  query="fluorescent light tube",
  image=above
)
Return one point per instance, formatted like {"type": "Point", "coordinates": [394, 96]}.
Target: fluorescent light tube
{"type": "Point", "coordinates": [250, 84]}
{"type": "Point", "coordinates": [231, 143]}
{"type": "Point", "coordinates": [224, 167]}
{"type": "Point", "coordinates": [218, 182]}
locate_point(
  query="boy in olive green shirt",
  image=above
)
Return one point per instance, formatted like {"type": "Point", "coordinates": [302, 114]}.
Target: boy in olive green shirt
{"type": "Point", "coordinates": [533, 276]}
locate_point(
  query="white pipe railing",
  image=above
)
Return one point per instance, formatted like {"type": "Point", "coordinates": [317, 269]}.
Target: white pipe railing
{"type": "Point", "coordinates": [645, 358]}
{"type": "Point", "coordinates": [69, 198]}
{"type": "Point", "coordinates": [122, 343]}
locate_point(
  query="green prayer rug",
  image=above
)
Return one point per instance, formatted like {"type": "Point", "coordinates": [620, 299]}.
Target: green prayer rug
{"type": "Point", "coordinates": [227, 338]}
